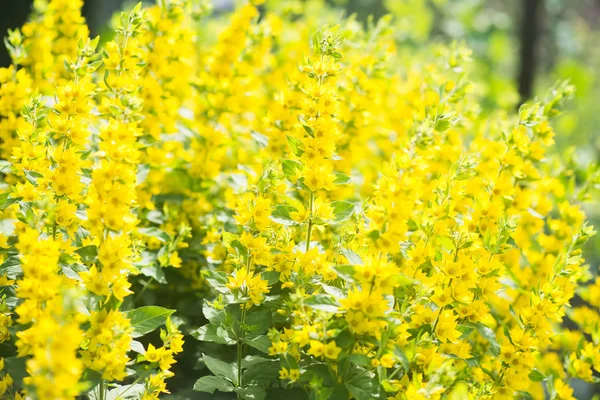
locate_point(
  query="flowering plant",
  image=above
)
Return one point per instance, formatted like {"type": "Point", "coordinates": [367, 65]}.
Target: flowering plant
{"type": "Point", "coordinates": [317, 213]}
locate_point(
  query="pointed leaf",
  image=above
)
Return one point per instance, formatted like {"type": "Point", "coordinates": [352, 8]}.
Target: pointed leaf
{"type": "Point", "coordinates": [211, 383]}
{"type": "Point", "coordinates": [146, 319]}
{"type": "Point", "coordinates": [221, 368]}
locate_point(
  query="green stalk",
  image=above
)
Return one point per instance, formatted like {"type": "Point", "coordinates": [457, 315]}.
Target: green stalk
{"type": "Point", "coordinates": [240, 347]}
{"type": "Point", "coordinates": [139, 378]}
{"type": "Point", "coordinates": [310, 220]}
{"type": "Point", "coordinates": [102, 389]}
{"type": "Point", "coordinates": [241, 334]}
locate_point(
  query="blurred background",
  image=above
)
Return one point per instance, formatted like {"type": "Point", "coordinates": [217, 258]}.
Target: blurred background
{"type": "Point", "coordinates": [521, 48]}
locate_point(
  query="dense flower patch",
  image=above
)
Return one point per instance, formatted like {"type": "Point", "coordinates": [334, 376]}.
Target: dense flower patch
{"type": "Point", "coordinates": [318, 213]}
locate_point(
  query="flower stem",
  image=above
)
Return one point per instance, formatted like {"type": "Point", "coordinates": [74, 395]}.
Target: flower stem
{"type": "Point", "coordinates": [241, 333]}
{"type": "Point", "coordinates": [310, 220]}
{"type": "Point", "coordinates": [139, 378]}
{"type": "Point", "coordinates": [240, 349]}
{"type": "Point", "coordinates": [102, 390]}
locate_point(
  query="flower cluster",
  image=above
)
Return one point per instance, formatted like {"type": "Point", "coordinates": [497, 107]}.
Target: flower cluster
{"type": "Point", "coordinates": [328, 217]}
{"type": "Point", "coordinates": [71, 122]}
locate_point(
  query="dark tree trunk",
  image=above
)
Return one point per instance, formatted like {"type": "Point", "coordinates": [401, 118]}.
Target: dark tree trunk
{"type": "Point", "coordinates": [97, 12]}
{"type": "Point", "coordinates": [13, 14]}
{"type": "Point", "coordinates": [530, 30]}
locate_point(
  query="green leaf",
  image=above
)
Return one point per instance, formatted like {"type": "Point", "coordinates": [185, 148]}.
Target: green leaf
{"type": "Point", "coordinates": [212, 314]}
{"type": "Point", "coordinates": [345, 271]}
{"type": "Point", "coordinates": [232, 240]}
{"type": "Point", "coordinates": [288, 393]}
{"type": "Point", "coordinates": [251, 393]}
{"type": "Point", "coordinates": [155, 233]}
{"type": "Point", "coordinates": [341, 178]}
{"type": "Point", "coordinates": [536, 376]}
{"type": "Point", "coordinates": [249, 361]}
{"type": "Point", "coordinates": [258, 322]}
{"type": "Point", "coordinates": [221, 368]}
{"type": "Point", "coordinates": [11, 268]}
{"type": "Point", "coordinates": [417, 332]}
{"type": "Point", "coordinates": [137, 347]}
{"type": "Point", "coordinates": [88, 254]}
{"type": "Point", "coordinates": [295, 146]}
{"type": "Point", "coordinates": [212, 333]}
{"type": "Point", "coordinates": [211, 383]}
{"type": "Point", "coordinates": [142, 173]}
{"type": "Point", "coordinates": [289, 168]}
{"type": "Point", "coordinates": [362, 385]}
{"type": "Point", "coordinates": [156, 217]}
{"type": "Point", "coordinates": [442, 124]}
{"type": "Point", "coordinates": [261, 139]}
{"type": "Point", "coordinates": [272, 277]}
{"type": "Point", "coordinates": [288, 361]}
{"type": "Point", "coordinates": [12, 301]}
{"type": "Point", "coordinates": [32, 176]}
{"type": "Point", "coordinates": [16, 368]}
{"type": "Point", "coordinates": [154, 271]}
{"type": "Point", "coordinates": [340, 392]}
{"type": "Point", "coordinates": [146, 319]}
{"type": "Point", "coordinates": [217, 279]}
{"type": "Point", "coordinates": [89, 380]}
{"type": "Point", "coordinates": [322, 301]}
{"type": "Point", "coordinates": [261, 374]}
{"type": "Point", "coordinates": [307, 128]}
{"type": "Point", "coordinates": [336, 292]}
{"type": "Point", "coordinates": [402, 358]}
{"type": "Point", "coordinates": [352, 257]}
{"type": "Point", "coordinates": [317, 371]}
{"type": "Point", "coordinates": [126, 392]}
{"type": "Point", "coordinates": [4, 166]}
{"type": "Point", "coordinates": [70, 273]}
{"type": "Point", "coordinates": [281, 215]}
{"type": "Point", "coordinates": [359, 359]}
{"type": "Point", "coordinates": [524, 395]}
{"type": "Point", "coordinates": [342, 210]}
{"type": "Point", "coordinates": [6, 201]}
{"type": "Point", "coordinates": [261, 343]}
{"type": "Point", "coordinates": [488, 334]}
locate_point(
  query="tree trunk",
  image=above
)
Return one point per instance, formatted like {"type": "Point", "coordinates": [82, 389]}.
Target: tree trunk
{"type": "Point", "coordinates": [530, 29]}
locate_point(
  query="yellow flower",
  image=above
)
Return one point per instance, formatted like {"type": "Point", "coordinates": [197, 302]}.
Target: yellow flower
{"type": "Point", "coordinates": [153, 354]}
{"type": "Point", "coordinates": [446, 327]}
{"type": "Point", "coordinates": [316, 348]}
{"type": "Point", "coordinates": [279, 347]}
{"type": "Point", "coordinates": [563, 391]}
{"type": "Point", "coordinates": [331, 350]}
{"type": "Point", "coordinates": [251, 285]}
{"type": "Point", "coordinates": [294, 374]}
{"type": "Point", "coordinates": [442, 297]}
{"type": "Point", "coordinates": [388, 360]}
{"type": "Point", "coordinates": [174, 260]}
{"type": "Point", "coordinates": [284, 373]}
